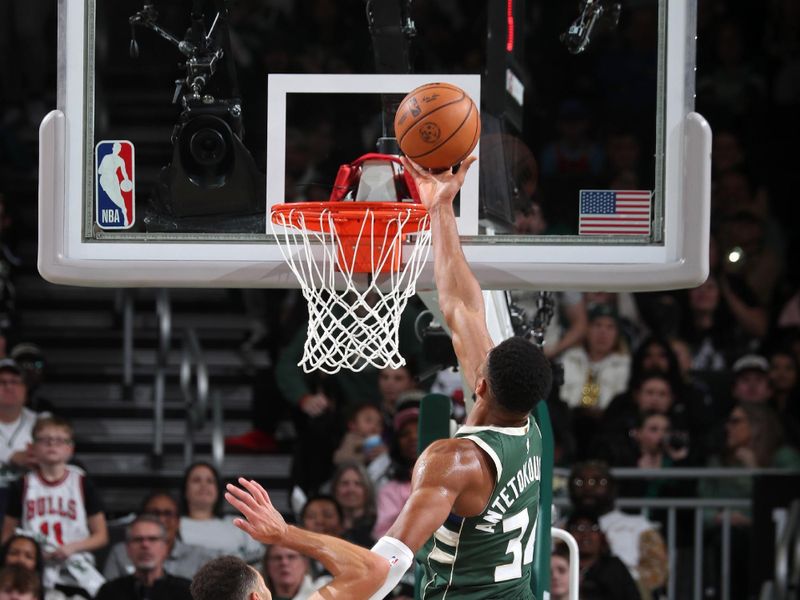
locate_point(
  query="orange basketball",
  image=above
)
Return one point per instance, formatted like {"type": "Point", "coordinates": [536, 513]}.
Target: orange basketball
{"type": "Point", "coordinates": [437, 125]}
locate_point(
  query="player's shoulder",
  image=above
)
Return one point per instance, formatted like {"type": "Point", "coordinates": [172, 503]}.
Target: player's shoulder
{"type": "Point", "coordinates": [450, 448]}
{"type": "Point", "coordinates": [452, 454]}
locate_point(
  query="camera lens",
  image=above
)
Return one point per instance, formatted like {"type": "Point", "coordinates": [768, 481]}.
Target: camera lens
{"type": "Point", "coordinates": [208, 147]}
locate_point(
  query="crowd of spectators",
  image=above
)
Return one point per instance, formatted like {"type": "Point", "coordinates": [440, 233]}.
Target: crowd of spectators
{"type": "Point", "coordinates": [701, 377]}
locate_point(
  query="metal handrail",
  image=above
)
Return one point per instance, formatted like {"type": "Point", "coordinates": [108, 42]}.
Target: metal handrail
{"type": "Point", "coordinates": [196, 400]}
{"type": "Point", "coordinates": [794, 577]}
{"type": "Point", "coordinates": [217, 433]}
{"type": "Point", "coordinates": [127, 342]}
{"type": "Point", "coordinates": [731, 503]}
{"type": "Point", "coordinates": [574, 560]}
{"type": "Point", "coordinates": [164, 316]}
{"type": "Point", "coordinates": [684, 472]}
{"type": "Point", "coordinates": [697, 505]}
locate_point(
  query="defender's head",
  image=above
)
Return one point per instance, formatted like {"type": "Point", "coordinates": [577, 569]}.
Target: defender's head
{"type": "Point", "coordinates": [517, 375]}
{"type": "Point", "coordinates": [228, 578]}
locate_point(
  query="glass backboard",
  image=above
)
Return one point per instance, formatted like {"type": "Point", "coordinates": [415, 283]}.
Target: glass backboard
{"type": "Point", "coordinates": [181, 123]}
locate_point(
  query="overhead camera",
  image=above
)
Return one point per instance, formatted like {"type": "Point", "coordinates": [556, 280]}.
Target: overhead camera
{"type": "Point", "coordinates": [579, 34]}
{"type": "Point", "coordinates": [436, 343]}
{"type": "Point", "coordinates": [212, 183]}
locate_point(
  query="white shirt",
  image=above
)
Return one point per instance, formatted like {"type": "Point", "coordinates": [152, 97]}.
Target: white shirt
{"type": "Point", "coordinates": [221, 536]}
{"type": "Point", "coordinates": [623, 532]}
{"type": "Point", "coordinates": [15, 436]}
{"type": "Point", "coordinates": [610, 373]}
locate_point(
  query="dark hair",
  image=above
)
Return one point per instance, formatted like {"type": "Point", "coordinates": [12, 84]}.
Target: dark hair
{"type": "Point", "coordinates": [590, 516]}
{"type": "Point", "coordinates": [580, 514]}
{"type": "Point", "coordinates": [184, 504]}
{"type": "Point", "coordinates": [642, 417]}
{"type": "Point", "coordinates": [322, 498]}
{"type": "Point", "coordinates": [673, 368]}
{"type": "Point", "coordinates": [38, 568]}
{"type": "Point", "coordinates": [518, 374]}
{"type": "Point", "coordinates": [224, 578]}
{"type": "Point", "coordinates": [156, 494]}
{"type": "Point", "coordinates": [18, 579]}
{"type": "Point", "coordinates": [596, 465]}
{"type": "Point", "coordinates": [645, 376]}
{"type": "Point", "coordinates": [353, 410]}
{"type": "Point", "coordinates": [145, 519]}
{"type": "Point", "coordinates": [21, 536]}
{"type": "Point", "coordinates": [561, 549]}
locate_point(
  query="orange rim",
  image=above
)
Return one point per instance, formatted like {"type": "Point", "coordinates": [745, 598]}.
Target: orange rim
{"type": "Point", "coordinates": [348, 216]}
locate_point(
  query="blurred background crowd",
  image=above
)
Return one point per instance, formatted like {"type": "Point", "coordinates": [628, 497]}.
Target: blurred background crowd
{"type": "Point", "coordinates": [706, 377]}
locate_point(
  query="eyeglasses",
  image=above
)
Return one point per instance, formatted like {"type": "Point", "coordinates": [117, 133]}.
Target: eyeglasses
{"type": "Point", "coordinates": [141, 539]}
{"type": "Point", "coordinates": [591, 482]}
{"type": "Point", "coordinates": [52, 441]}
{"type": "Point", "coordinates": [586, 527]}
{"type": "Point", "coordinates": [10, 382]}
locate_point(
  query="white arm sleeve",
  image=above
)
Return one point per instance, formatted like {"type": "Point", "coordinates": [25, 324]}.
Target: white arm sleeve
{"type": "Point", "coordinates": [400, 559]}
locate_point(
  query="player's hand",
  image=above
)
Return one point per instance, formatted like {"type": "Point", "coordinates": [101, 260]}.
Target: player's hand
{"type": "Point", "coordinates": [437, 188]}
{"type": "Point", "coordinates": [262, 521]}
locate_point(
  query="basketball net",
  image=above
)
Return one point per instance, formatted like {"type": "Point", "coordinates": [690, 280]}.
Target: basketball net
{"type": "Point", "coordinates": [348, 258]}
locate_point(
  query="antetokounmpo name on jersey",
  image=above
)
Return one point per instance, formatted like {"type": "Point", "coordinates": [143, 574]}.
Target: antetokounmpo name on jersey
{"type": "Point", "coordinates": [49, 505]}
{"type": "Point", "coordinates": [530, 472]}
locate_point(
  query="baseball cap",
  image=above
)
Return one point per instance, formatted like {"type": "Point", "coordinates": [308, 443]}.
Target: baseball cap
{"type": "Point", "coordinates": [751, 362]}
{"type": "Point", "coordinates": [9, 364]}
{"type": "Point", "coordinates": [602, 310]}
{"type": "Point", "coordinates": [405, 416]}
{"type": "Point", "coordinates": [26, 350]}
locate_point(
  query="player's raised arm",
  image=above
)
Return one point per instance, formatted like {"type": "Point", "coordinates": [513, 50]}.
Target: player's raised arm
{"type": "Point", "coordinates": [460, 296]}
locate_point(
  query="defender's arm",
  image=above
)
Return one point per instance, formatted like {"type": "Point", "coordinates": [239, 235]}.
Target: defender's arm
{"type": "Point", "coordinates": [357, 572]}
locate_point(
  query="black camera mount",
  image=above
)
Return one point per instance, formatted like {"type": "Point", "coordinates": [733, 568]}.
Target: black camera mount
{"type": "Point", "coordinates": [212, 174]}
{"type": "Point", "coordinates": [579, 34]}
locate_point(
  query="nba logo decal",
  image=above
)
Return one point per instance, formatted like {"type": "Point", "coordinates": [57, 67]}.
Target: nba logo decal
{"type": "Point", "coordinates": [114, 190]}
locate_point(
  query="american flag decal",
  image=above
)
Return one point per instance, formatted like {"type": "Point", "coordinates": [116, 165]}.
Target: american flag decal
{"type": "Point", "coordinates": [621, 212]}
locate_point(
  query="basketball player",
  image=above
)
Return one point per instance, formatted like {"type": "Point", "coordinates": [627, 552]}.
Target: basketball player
{"type": "Point", "coordinates": [471, 517]}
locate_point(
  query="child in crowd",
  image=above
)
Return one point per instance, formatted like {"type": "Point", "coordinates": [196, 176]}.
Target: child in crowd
{"type": "Point", "coordinates": [58, 505]}
{"type": "Point", "coordinates": [18, 583]}
{"type": "Point", "coordinates": [363, 442]}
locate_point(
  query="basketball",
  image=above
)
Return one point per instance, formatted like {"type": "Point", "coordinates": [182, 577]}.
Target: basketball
{"type": "Point", "coordinates": [437, 125]}
{"type": "Point", "coordinates": [126, 185]}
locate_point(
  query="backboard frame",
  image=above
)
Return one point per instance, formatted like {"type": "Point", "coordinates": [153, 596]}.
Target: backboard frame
{"type": "Point", "coordinates": [510, 262]}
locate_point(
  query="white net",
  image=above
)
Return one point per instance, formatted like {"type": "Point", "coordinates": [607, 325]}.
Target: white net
{"type": "Point", "coordinates": [353, 320]}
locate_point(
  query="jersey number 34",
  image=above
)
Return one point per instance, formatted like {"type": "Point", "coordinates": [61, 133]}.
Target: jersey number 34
{"type": "Point", "coordinates": [513, 570]}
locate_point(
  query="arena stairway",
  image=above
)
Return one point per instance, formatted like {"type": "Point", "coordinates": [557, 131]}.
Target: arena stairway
{"type": "Point", "coordinates": [80, 333]}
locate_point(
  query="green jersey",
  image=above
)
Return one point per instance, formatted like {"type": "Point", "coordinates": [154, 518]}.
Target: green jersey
{"type": "Point", "coordinates": [490, 556]}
